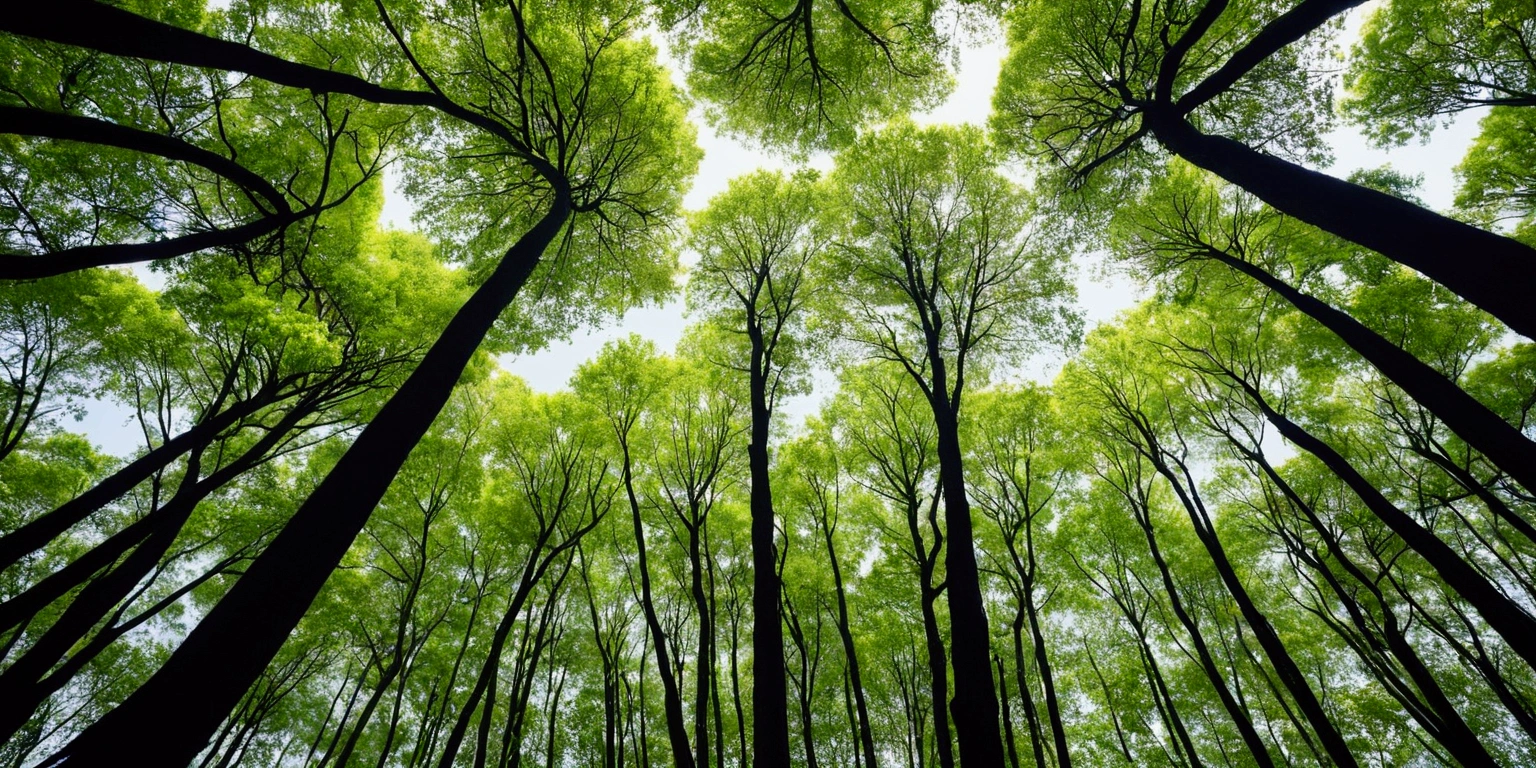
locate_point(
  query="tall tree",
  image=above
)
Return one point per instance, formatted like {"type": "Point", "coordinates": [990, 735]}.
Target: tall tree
{"type": "Point", "coordinates": [577, 63]}
{"type": "Point", "coordinates": [756, 241]}
{"type": "Point", "coordinates": [938, 273]}
{"type": "Point", "coordinates": [1210, 82]}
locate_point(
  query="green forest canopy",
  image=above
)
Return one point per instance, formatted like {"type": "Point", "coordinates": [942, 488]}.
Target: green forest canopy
{"type": "Point", "coordinates": [1282, 512]}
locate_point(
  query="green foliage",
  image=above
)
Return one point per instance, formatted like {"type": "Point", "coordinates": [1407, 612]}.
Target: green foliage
{"type": "Point", "coordinates": [1418, 62]}
{"type": "Point", "coordinates": [1140, 521]}
{"type": "Point", "coordinates": [810, 74]}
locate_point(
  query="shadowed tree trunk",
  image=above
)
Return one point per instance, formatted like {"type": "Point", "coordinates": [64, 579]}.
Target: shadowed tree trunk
{"type": "Point", "coordinates": [227, 651]}
{"type": "Point", "coordinates": [1504, 615]}
{"type": "Point", "coordinates": [1503, 444]}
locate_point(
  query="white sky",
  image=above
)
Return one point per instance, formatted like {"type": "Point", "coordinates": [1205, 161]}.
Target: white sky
{"type": "Point", "coordinates": [1100, 297]}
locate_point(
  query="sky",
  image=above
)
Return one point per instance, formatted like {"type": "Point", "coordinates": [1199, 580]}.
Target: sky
{"type": "Point", "coordinates": [1101, 296]}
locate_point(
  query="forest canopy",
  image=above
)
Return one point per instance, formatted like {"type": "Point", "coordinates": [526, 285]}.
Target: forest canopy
{"type": "Point", "coordinates": [1282, 511]}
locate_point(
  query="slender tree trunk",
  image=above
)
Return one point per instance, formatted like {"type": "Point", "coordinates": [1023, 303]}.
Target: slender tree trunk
{"type": "Point", "coordinates": [1042, 661]}
{"type": "Point", "coordinates": [1503, 444]}
{"type": "Point", "coordinates": [845, 632]}
{"type": "Point", "coordinates": [386, 677]}
{"type": "Point", "coordinates": [1448, 726]}
{"type": "Point", "coordinates": [1002, 697]}
{"type": "Point", "coordinates": [1239, 716]}
{"type": "Point", "coordinates": [938, 665]}
{"type": "Point", "coordinates": [1502, 614]}
{"type": "Point", "coordinates": [184, 702]}
{"type": "Point", "coordinates": [24, 685]}
{"type": "Point", "coordinates": [1165, 706]}
{"type": "Point", "coordinates": [677, 732]}
{"type": "Point", "coordinates": [1290, 673]}
{"type": "Point", "coordinates": [1031, 715]}
{"type": "Point", "coordinates": [975, 703]}
{"type": "Point", "coordinates": [36, 534]}
{"type": "Point", "coordinates": [702, 674]}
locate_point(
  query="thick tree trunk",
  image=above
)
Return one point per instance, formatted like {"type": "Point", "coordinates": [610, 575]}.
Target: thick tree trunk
{"type": "Point", "coordinates": [770, 696]}
{"type": "Point", "coordinates": [184, 702]}
{"type": "Point", "coordinates": [975, 703]}
{"type": "Point", "coordinates": [1493, 272]}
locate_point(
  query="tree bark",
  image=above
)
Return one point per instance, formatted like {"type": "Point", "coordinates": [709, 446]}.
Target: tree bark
{"type": "Point", "coordinates": [770, 696]}
{"type": "Point", "coordinates": [1502, 614]}
{"type": "Point", "coordinates": [975, 703]}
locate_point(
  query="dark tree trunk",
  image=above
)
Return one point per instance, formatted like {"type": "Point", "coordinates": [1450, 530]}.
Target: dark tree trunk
{"type": "Point", "coordinates": [845, 631]}
{"type": "Point", "coordinates": [186, 700]}
{"type": "Point", "coordinates": [672, 703]}
{"type": "Point", "coordinates": [1218, 681]}
{"type": "Point", "coordinates": [1495, 438]}
{"type": "Point", "coordinates": [975, 703]}
{"type": "Point", "coordinates": [1446, 725]}
{"type": "Point", "coordinates": [1502, 614]}
{"type": "Point", "coordinates": [1031, 714]}
{"type": "Point", "coordinates": [702, 671]}
{"type": "Point", "coordinates": [938, 665]}
{"type": "Point", "coordinates": [22, 686]}
{"type": "Point", "coordinates": [1279, 658]}
{"type": "Point", "coordinates": [1493, 272]}
{"type": "Point", "coordinates": [1002, 697]}
{"type": "Point", "coordinates": [35, 534]}
{"type": "Point", "coordinates": [770, 697]}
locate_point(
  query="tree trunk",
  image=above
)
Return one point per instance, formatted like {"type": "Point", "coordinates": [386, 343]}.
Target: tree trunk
{"type": "Point", "coordinates": [975, 703]}
{"type": "Point", "coordinates": [1448, 727]}
{"type": "Point", "coordinates": [1495, 273]}
{"type": "Point", "coordinates": [770, 697]}
{"type": "Point", "coordinates": [845, 631]}
{"type": "Point", "coordinates": [1502, 614]}
{"type": "Point", "coordinates": [677, 732]}
{"type": "Point", "coordinates": [184, 702]}
{"type": "Point", "coordinates": [1279, 658]}
{"type": "Point", "coordinates": [1495, 438]}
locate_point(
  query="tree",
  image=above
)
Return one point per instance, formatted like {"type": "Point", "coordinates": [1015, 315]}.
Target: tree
{"type": "Point", "coordinates": [941, 275]}
{"type": "Point", "coordinates": [810, 74]}
{"type": "Point", "coordinates": [1210, 83]}
{"type": "Point", "coordinates": [579, 68]}
{"type": "Point", "coordinates": [756, 241]}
